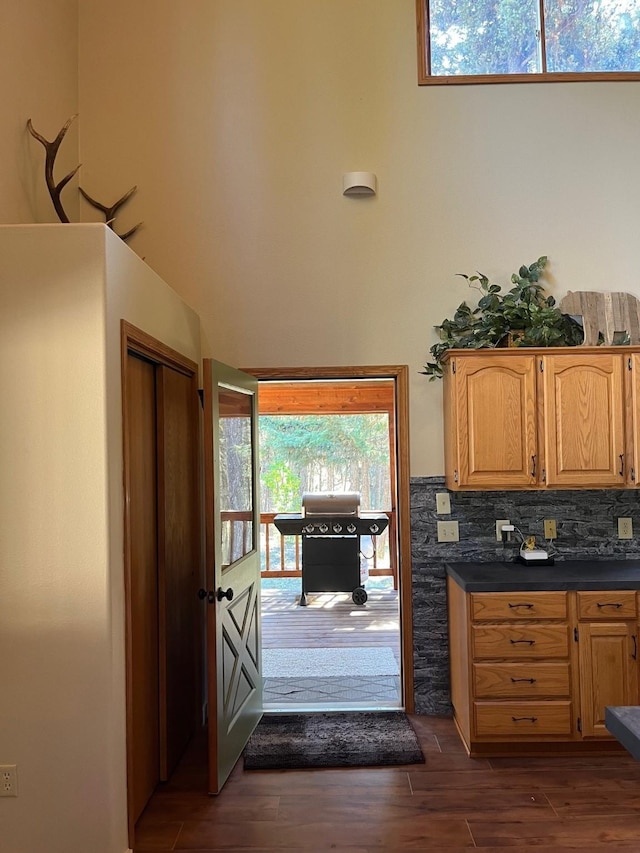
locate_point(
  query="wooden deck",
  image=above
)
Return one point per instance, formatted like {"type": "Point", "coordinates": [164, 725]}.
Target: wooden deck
{"type": "Point", "coordinates": [333, 622]}
{"type": "Point", "coordinates": [330, 620]}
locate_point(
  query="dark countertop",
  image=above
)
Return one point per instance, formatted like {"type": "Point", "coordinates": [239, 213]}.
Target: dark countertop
{"type": "Point", "coordinates": [624, 724]}
{"type": "Point", "coordinates": [564, 575]}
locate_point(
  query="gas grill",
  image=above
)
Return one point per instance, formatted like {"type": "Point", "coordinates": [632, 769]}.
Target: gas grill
{"type": "Point", "coordinates": [331, 526]}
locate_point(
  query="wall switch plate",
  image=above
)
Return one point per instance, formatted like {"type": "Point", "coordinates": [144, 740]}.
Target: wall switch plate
{"type": "Point", "coordinates": [8, 780]}
{"type": "Point", "coordinates": [499, 523]}
{"type": "Point", "coordinates": [550, 528]}
{"type": "Point", "coordinates": [448, 531]}
{"type": "Point", "coordinates": [625, 528]}
{"type": "Point", "coordinates": [443, 503]}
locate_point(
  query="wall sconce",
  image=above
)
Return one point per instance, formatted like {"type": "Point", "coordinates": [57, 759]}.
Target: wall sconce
{"type": "Point", "coordinates": [359, 183]}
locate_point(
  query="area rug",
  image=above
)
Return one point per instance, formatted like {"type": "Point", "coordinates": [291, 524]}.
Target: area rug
{"type": "Point", "coordinates": [335, 739]}
{"type": "Point", "coordinates": [322, 663]}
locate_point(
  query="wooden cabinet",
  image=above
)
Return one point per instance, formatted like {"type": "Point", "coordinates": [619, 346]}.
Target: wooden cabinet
{"type": "Point", "coordinates": [535, 670]}
{"type": "Point", "coordinates": [608, 656]}
{"type": "Point", "coordinates": [583, 417]}
{"type": "Point", "coordinates": [540, 418]}
{"type": "Point", "coordinates": [632, 423]}
{"type": "Point", "coordinates": [491, 416]}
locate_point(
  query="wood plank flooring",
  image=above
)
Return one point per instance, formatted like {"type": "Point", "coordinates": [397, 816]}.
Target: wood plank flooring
{"type": "Point", "coordinates": [449, 804]}
{"type": "Point", "coordinates": [330, 620]}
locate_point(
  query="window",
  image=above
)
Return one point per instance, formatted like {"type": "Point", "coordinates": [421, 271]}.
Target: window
{"type": "Point", "coordinates": [479, 41]}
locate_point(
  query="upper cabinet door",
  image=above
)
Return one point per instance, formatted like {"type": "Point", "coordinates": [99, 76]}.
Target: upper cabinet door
{"type": "Point", "coordinates": [584, 420]}
{"type": "Point", "coordinates": [632, 363]}
{"type": "Point", "coordinates": [495, 405]}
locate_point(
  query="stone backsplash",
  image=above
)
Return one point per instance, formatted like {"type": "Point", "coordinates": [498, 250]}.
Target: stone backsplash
{"type": "Point", "coordinates": [587, 529]}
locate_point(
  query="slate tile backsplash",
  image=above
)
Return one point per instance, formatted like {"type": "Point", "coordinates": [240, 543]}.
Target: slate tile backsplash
{"type": "Point", "coordinates": [587, 529]}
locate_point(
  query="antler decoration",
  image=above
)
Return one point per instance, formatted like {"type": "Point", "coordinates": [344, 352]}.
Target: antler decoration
{"type": "Point", "coordinates": [110, 212]}
{"type": "Point", "coordinates": [51, 149]}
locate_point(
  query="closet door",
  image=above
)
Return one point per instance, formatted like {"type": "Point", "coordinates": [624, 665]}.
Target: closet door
{"type": "Point", "coordinates": [178, 562]}
{"type": "Point", "coordinates": [142, 597]}
{"type": "Point", "coordinates": [163, 561]}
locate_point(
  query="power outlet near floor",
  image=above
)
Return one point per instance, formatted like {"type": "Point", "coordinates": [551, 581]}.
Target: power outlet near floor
{"type": "Point", "coordinates": [625, 528]}
{"type": "Point", "coordinates": [8, 780]}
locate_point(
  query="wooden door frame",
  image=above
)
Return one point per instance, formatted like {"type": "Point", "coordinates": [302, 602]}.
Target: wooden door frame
{"type": "Point", "coordinates": [134, 340]}
{"type": "Point", "coordinates": [400, 374]}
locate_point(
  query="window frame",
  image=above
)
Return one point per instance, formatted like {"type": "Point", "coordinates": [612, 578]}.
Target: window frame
{"type": "Point", "coordinates": [425, 78]}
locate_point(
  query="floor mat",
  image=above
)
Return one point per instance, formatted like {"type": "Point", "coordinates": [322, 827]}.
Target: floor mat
{"type": "Point", "coordinates": [371, 690]}
{"type": "Point", "coordinates": [323, 663]}
{"type": "Point", "coordinates": [338, 739]}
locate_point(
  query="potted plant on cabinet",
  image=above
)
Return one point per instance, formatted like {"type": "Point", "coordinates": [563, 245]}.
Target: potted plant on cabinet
{"type": "Point", "coordinates": [523, 316]}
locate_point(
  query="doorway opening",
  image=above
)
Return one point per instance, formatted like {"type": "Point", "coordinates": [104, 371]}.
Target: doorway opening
{"type": "Point", "coordinates": [335, 430]}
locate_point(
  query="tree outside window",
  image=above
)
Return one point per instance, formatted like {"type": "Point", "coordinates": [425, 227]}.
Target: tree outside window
{"type": "Point", "coordinates": [472, 40]}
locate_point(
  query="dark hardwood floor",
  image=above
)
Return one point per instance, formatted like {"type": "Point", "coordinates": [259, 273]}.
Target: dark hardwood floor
{"type": "Point", "coordinates": [449, 804]}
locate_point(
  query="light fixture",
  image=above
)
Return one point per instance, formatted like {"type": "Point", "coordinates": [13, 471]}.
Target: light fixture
{"type": "Point", "coordinates": [359, 183]}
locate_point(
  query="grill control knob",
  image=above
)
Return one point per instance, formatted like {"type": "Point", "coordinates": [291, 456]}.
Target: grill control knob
{"type": "Point", "coordinates": [323, 528]}
{"type": "Point", "coordinates": [373, 528]}
{"type": "Point", "coordinates": [351, 528]}
{"type": "Point", "coordinates": [308, 528]}
{"type": "Point", "coordinates": [337, 527]}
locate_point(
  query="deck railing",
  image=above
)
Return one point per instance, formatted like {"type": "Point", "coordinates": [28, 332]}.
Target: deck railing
{"type": "Point", "coordinates": [281, 555]}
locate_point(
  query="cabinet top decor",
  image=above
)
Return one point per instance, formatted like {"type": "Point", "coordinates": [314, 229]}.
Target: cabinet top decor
{"type": "Point", "coordinates": [524, 316]}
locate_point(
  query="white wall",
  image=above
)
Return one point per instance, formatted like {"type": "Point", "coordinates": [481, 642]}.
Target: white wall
{"type": "Point", "coordinates": [237, 120]}
{"type": "Point", "coordinates": [39, 49]}
{"type": "Point", "coordinates": [63, 290]}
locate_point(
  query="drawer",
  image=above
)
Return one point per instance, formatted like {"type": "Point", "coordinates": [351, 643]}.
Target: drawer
{"type": "Point", "coordinates": [520, 641]}
{"type": "Point", "coordinates": [522, 719]}
{"type": "Point", "coordinates": [529, 680]}
{"type": "Point", "coordinates": [500, 606]}
{"type": "Point", "coordinates": [607, 605]}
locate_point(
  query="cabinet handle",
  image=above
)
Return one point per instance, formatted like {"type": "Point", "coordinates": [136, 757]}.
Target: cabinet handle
{"type": "Point", "coordinates": [521, 605]}
{"type": "Point", "coordinates": [533, 466]}
{"type": "Point", "coordinates": [526, 719]}
{"type": "Point", "coordinates": [528, 680]}
{"type": "Point", "coordinates": [621, 458]}
{"type": "Point", "coordinates": [609, 604]}
{"type": "Point", "coordinates": [528, 642]}
{"type": "Point", "coordinates": [635, 647]}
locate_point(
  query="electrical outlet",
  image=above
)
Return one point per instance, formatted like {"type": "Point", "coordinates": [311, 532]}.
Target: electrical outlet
{"type": "Point", "coordinates": [625, 528]}
{"type": "Point", "coordinates": [550, 528]}
{"type": "Point", "coordinates": [499, 523]}
{"type": "Point", "coordinates": [8, 780]}
{"type": "Point", "coordinates": [448, 531]}
{"type": "Point", "coordinates": [443, 503]}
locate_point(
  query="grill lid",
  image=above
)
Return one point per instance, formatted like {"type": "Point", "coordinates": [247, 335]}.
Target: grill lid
{"type": "Point", "coordinates": [331, 503]}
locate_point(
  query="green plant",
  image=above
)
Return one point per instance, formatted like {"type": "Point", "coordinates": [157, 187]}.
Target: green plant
{"type": "Point", "coordinates": [524, 313]}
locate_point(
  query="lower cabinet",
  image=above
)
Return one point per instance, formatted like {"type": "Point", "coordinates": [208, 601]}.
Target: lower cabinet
{"type": "Point", "coordinates": [535, 670]}
{"type": "Point", "coordinates": [608, 656]}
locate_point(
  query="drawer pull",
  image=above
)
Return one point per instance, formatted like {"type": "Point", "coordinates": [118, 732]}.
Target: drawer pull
{"type": "Point", "coordinates": [528, 642]}
{"type": "Point", "coordinates": [609, 604]}
{"type": "Point", "coordinates": [521, 605]}
{"type": "Point", "coordinates": [528, 680]}
{"type": "Point", "coordinates": [525, 719]}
